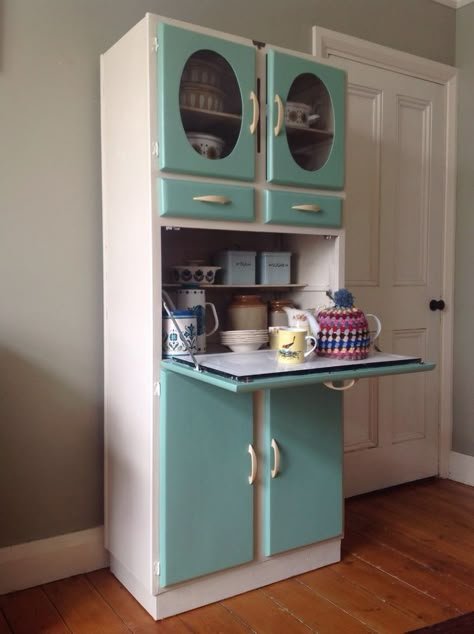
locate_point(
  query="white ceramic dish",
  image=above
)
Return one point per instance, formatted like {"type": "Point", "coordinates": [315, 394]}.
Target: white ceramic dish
{"type": "Point", "coordinates": [244, 347]}
{"type": "Point", "coordinates": [207, 145]}
{"type": "Point", "coordinates": [244, 339]}
{"type": "Point", "coordinates": [195, 274]}
{"type": "Point", "coordinates": [201, 71]}
{"type": "Point", "coordinates": [201, 96]}
{"type": "Point", "coordinates": [244, 332]}
{"type": "Point", "coordinates": [297, 114]}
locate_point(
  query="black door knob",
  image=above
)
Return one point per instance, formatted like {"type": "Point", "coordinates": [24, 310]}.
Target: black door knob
{"type": "Point", "coordinates": [437, 304]}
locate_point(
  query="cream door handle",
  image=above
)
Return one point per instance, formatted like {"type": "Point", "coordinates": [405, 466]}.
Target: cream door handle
{"type": "Point", "coordinates": [220, 200]}
{"type": "Point", "coordinates": [315, 208]}
{"type": "Point", "coordinates": [343, 388]}
{"type": "Point", "coordinates": [256, 112]}
{"type": "Point", "coordinates": [279, 103]}
{"type": "Point", "coordinates": [276, 458]}
{"type": "Point", "coordinates": [253, 458]}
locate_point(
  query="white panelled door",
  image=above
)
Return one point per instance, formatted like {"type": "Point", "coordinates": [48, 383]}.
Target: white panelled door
{"type": "Point", "coordinates": [393, 215]}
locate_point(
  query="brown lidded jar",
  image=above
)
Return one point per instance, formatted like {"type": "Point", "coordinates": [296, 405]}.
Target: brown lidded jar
{"type": "Point", "coordinates": [247, 312]}
{"type": "Point", "coordinates": [277, 316]}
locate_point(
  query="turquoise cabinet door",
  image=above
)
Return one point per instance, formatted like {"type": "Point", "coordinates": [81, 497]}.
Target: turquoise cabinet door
{"type": "Point", "coordinates": [206, 501]}
{"type": "Point", "coordinates": [303, 502]}
{"type": "Point", "coordinates": [211, 103]}
{"type": "Point", "coordinates": [308, 147]}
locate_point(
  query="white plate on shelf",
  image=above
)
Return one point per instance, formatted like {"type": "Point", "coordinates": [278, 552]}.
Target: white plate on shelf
{"type": "Point", "coordinates": [244, 347]}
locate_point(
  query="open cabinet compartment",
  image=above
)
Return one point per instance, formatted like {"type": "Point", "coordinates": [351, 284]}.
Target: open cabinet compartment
{"type": "Point", "coordinates": [314, 265]}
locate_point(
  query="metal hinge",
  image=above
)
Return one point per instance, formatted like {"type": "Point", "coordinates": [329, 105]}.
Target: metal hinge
{"type": "Point", "coordinates": [155, 149]}
{"type": "Point", "coordinates": [157, 389]}
{"type": "Point", "coordinates": [156, 568]}
{"type": "Point", "coordinates": [154, 44]}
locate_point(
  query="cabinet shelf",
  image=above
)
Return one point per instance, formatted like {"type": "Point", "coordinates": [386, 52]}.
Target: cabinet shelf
{"type": "Point", "coordinates": [313, 133]}
{"type": "Point", "coordinates": [232, 286]}
{"type": "Point", "coordinates": [219, 123]}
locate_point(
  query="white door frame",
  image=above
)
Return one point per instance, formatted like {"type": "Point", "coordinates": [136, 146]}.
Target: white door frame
{"type": "Point", "coordinates": [327, 43]}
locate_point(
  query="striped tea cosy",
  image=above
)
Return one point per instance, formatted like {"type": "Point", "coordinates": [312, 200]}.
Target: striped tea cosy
{"type": "Point", "coordinates": [343, 329]}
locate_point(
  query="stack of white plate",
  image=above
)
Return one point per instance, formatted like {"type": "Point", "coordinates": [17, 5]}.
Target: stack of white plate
{"type": "Point", "coordinates": [244, 340]}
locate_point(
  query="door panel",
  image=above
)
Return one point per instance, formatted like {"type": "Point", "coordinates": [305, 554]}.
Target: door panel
{"type": "Point", "coordinates": [206, 501]}
{"type": "Point", "coordinates": [395, 192]}
{"type": "Point", "coordinates": [180, 110]}
{"type": "Point", "coordinates": [363, 181]}
{"type": "Point", "coordinates": [303, 503]}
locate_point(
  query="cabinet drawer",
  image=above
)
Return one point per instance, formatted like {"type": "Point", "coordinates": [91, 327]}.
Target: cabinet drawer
{"type": "Point", "coordinates": [210, 201]}
{"type": "Point", "coordinates": [281, 208]}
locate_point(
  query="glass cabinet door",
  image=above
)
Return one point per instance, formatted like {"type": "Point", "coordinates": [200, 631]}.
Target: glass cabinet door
{"type": "Point", "coordinates": [207, 108]}
{"type": "Point", "coordinates": [305, 124]}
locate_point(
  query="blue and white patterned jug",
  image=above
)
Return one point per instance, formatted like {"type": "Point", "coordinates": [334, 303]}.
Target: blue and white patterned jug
{"type": "Point", "coordinates": [172, 340]}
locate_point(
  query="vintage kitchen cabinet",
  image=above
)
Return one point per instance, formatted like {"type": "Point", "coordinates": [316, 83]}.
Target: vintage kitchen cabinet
{"type": "Point", "coordinates": [216, 485]}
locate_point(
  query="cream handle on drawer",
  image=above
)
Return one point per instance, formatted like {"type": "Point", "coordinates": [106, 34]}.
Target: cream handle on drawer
{"type": "Point", "coordinates": [256, 112]}
{"type": "Point", "coordinates": [253, 458]}
{"type": "Point", "coordinates": [307, 207]}
{"type": "Point", "coordinates": [279, 103]}
{"type": "Point", "coordinates": [343, 388]}
{"type": "Point", "coordinates": [276, 457]}
{"type": "Point", "coordinates": [220, 200]}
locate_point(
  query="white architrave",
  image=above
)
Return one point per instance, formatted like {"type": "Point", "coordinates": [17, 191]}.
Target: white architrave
{"type": "Point", "coordinates": [327, 43]}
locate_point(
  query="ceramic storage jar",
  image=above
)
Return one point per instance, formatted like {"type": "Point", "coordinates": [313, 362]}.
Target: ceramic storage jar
{"type": "Point", "coordinates": [276, 314]}
{"type": "Point", "coordinates": [247, 312]}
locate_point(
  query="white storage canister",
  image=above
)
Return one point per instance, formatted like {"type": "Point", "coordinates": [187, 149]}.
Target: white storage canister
{"type": "Point", "coordinates": [237, 267]}
{"type": "Point", "coordinates": [274, 267]}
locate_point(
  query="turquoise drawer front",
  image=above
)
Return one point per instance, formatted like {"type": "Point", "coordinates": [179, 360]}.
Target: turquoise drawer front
{"type": "Point", "coordinates": [281, 208]}
{"type": "Point", "coordinates": [210, 201]}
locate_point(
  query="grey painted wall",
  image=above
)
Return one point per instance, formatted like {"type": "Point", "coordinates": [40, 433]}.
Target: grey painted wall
{"type": "Point", "coordinates": [463, 431]}
{"type": "Point", "coordinates": [50, 251]}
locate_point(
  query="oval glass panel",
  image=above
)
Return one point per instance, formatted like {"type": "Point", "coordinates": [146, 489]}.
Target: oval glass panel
{"type": "Point", "coordinates": [309, 122]}
{"type": "Point", "coordinates": [210, 104]}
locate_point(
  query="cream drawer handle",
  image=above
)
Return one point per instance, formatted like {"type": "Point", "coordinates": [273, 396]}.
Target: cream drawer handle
{"type": "Point", "coordinates": [343, 388]}
{"type": "Point", "coordinates": [276, 454]}
{"type": "Point", "coordinates": [220, 200]}
{"type": "Point", "coordinates": [315, 208]}
{"type": "Point", "coordinates": [253, 458]}
{"type": "Point", "coordinates": [256, 112]}
{"type": "Point", "coordinates": [279, 103]}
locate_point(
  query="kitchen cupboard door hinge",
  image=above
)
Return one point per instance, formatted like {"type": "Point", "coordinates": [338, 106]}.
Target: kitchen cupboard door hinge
{"type": "Point", "coordinates": [155, 44]}
{"type": "Point", "coordinates": [156, 568]}
{"type": "Point", "coordinates": [157, 389]}
{"type": "Point", "coordinates": [155, 149]}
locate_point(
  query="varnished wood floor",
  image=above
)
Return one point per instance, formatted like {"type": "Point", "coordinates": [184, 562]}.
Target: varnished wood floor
{"type": "Point", "coordinates": [408, 561]}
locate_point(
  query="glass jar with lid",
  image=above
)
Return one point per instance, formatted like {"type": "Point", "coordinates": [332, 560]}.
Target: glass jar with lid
{"type": "Point", "coordinates": [276, 313]}
{"type": "Point", "coordinates": [247, 312]}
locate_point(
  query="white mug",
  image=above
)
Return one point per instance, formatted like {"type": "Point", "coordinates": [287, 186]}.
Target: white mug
{"type": "Point", "coordinates": [194, 299]}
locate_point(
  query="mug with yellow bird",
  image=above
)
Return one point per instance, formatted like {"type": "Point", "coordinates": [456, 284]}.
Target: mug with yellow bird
{"type": "Point", "coordinates": [292, 345]}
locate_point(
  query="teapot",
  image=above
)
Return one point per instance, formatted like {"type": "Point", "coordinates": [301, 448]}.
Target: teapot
{"type": "Point", "coordinates": [343, 329]}
{"type": "Point", "coordinates": [300, 318]}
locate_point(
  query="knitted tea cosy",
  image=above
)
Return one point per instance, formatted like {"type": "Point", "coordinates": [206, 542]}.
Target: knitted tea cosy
{"type": "Point", "coordinates": [343, 329]}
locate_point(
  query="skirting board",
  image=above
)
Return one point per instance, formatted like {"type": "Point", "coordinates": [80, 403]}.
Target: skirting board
{"type": "Point", "coordinates": [34, 563]}
{"type": "Point", "coordinates": [461, 468]}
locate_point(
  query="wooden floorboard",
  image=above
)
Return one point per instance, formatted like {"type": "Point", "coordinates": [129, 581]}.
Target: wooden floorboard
{"type": "Point", "coordinates": [407, 562]}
